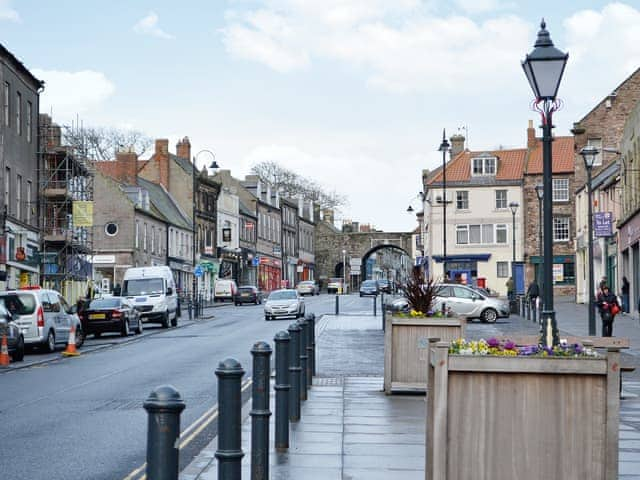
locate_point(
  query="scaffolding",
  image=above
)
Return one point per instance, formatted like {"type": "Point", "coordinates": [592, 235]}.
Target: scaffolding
{"type": "Point", "coordinates": [66, 188]}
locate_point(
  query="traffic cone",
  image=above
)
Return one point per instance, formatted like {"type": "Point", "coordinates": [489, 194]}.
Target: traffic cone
{"type": "Point", "coordinates": [4, 352]}
{"type": "Point", "coordinates": [71, 346]}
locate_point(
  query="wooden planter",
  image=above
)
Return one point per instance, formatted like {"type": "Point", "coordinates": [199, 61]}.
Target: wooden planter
{"type": "Point", "coordinates": [406, 349]}
{"type": "Point", "coordinates": [522, 417]}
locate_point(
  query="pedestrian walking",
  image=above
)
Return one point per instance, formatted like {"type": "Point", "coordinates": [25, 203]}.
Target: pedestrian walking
{"type": "Point", "coordinates": [511, 287]}
{"type": "Point", "coordinates": [533, 292]}
{"type": "Point", "coordinates": [625, 295]}
{"type": "Point", "coordinates": [608, 305]}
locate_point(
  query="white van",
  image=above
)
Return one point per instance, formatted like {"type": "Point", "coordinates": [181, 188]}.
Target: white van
{"type": "Point", "coordinates": [152, 291]}
{"type": "Point", "coordinates": [224, 290]}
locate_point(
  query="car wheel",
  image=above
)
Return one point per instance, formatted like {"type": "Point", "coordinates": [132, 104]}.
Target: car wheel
{"type": "Point", "coordinates": [80, 336]}
{"type": "Point", "coordinates": [266, 318]}
{"type": "Point", "coordinates": [489, 316]}
{"type": "Point", "coordinates": [174, 321]}
{"type": "Point", "coordinates": [50, 343]}
{"type": "Point", "coordinates": [179, 312]}
{"type": "Point", "coordinates": [165, 320]}
{"type": "Point", "coordinates": [97, 334]}
{"type": "Point", "coordinates": [124, 330]}
{"type": "Point", "coordinates": [18, 354]}
{"type": "Point", "coordinates": [237, 304]}
{"type": "Point", "coordinates": [139, 327]}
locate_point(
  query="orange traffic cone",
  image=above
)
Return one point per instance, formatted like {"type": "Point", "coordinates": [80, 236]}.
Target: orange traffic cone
{"type": "Point", "coordinates": [71, 346]}
{"type": "Point", "coordinates": [4, 352]}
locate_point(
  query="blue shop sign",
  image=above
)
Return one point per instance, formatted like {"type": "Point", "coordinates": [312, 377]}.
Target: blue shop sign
{"type": "Point", "coordinates": [602, 222]}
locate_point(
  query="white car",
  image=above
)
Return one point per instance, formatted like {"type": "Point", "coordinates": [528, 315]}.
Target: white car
{"type": "Point", "coordinates": [308, 287]}
{"type": "Point", "coordinates": [284, 303]}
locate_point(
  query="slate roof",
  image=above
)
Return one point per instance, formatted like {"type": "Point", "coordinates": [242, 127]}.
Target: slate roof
{"type": "Point", "coordinates": [161, 200]}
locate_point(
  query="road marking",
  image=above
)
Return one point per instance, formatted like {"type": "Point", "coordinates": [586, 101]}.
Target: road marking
{"type": "Point", "coordinates": [206, 418]}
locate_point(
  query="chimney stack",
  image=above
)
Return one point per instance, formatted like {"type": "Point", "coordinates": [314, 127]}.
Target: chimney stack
{"type": "Point", "coordinates": [183, 148]}
{"type": "Point", "coordinates": [457, 144]}
{"type": "Point", "coordinates": [531, 135]}
{"type": "Point", "coordinates": [127, 167]}
{"type": "Point", "coordinates": [327, 215]}
{"type": "Point", "coordinates": [161, 157]}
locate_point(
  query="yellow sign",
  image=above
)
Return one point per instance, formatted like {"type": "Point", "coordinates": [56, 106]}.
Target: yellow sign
{"type": "Point", "coordinates": [82, 214]}
{"type": "Point", "coordinates": [24, 279]}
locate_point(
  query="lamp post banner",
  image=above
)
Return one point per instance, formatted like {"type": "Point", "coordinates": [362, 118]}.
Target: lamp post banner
{"type": "Point", "coordinates": [602, 222]}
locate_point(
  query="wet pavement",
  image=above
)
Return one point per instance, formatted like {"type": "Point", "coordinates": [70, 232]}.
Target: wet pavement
{"type": "Point", "coordinates": [349, 429]}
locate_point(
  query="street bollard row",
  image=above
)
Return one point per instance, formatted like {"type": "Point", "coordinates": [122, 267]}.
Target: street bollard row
{"type": "Point", "coordinates": [295, 363]}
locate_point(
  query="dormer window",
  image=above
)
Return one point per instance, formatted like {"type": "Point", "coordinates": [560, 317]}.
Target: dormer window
{"type": "Point", "coordinates": [485, 164]}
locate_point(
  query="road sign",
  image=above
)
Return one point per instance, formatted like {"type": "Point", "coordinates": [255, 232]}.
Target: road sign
{"type": "Point", "coordinates": [256, 261]}
{"type": "Point", "coordinates": [198, 271]}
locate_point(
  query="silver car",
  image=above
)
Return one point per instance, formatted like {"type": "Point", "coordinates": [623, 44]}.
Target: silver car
{"type": "Point", "coordinates": [284, 303]}
{"type": "Point", "coordinates": [470, 303]}
{"type": "Point", "coordinates": [308, 287]}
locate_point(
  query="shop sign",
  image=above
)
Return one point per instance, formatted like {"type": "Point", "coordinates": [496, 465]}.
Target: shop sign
{"type": "Point", "coordinates": [104, 259]}
{"type": "Point", "coordinates": [602, 222]}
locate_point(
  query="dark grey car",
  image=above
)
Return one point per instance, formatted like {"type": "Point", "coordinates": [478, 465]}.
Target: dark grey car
{"type": "Point", "coordinates": [15, 339]}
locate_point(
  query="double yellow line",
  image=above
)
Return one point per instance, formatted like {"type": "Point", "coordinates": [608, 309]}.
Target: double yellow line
{"type": "Point", "coordinates": [187, 436]}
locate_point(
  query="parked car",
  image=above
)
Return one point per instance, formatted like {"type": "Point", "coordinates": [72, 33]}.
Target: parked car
{"type": "Point", "coordinates": [247, 294]}
{"type": "Point", "coordinates": [110, 314]}
{"type": "Point", "coordinates": [487, 292]}
{"type": "Point", "coordinates": [224, 290]}
{"type": "Point", "coordinates": [466, 301]}
{"type": "Point", "coordinates": [334, 285]}
{"type": "Point", "coordinates": [15, 339]}
{"type": "Point", "coordinates": [369, 288]}
{"type": "Point", "coordinates": [284, 303]}
{"type": "Point", "coordinates": [308, 287]}
{"type": "Point", "coordinates": [43, 316]}
{"type": "Point", "coordinates": [384, 285]}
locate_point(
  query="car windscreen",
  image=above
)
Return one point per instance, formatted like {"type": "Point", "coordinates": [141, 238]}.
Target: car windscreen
{"type": "Point", "coordinates": [143, 286]}
{"type": "Point", "coordinates": [20, 303]}
{"type": "Point", "coordinates": [369, 283]}
{"type": "Point", "coordinates": [283, 296]}
{"type": "Point", "coordinates": [99, 303]}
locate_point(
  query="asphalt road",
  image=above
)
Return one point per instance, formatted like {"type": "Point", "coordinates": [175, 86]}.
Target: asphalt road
{"type": "Point", "coordinates": [82, 417]}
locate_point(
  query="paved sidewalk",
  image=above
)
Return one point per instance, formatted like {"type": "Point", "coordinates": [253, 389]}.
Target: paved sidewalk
{"type": "Point", "coordinates": [349, 429]}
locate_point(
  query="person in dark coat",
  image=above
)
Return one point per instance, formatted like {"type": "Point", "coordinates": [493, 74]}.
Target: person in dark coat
{"type": "Point", "coordinates": [533, 292]}
{"type": "Point", "coordinates": [625, 295]}
{"type": "Point", "coordinates": [605, 301]}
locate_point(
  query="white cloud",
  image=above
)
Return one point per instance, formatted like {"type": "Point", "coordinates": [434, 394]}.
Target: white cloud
{"type": "Point", "coordinates": [481, 6]}
{"type": "Point", "coordinates": [8, 13]}
{"type": "Point", "coordinates": [402, 49]}
{"type": "Point", "coordinates": [149, 26]}
{"type": "Point", "coordinates": [71, 93]}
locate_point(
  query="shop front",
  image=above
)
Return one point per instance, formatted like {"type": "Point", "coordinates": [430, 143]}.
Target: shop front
{"type": "Point", "coordinates": [564, 273]}
{"type": "Point", "coordinates": [628, 243]}
{"type": "Point", "coordinates": [20, 256]}
{"type": "Point", "coordinates": [182, 274]}
{"type": "Point", "coordinates": [248, 267]}
{"type": "Point", "coordinates": [269, 273]}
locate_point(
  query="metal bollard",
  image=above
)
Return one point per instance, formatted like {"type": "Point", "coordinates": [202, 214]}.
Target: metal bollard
{"type": "Point", "coordinates": [384, 314]}
{"type": "Point", "coordinates": [229, 452]}
{"type": "Point", "coordinates": [164, 406]}
{"type": "Point", "coordinates": [190, 309]}
{"type": "Point", "coordinates": [375, 305]}
{"type": "Point", "coordinates": [260, 412]}
{"type": "Point", "coordinates": [309, 323]}
{"type": "Point", "coordinates": [303, 358]}
{"type": "Point", "coordinates": [528, 307]}
{"type": "Point", "coordinates": [282, 388]}
{"type": "Point", "coordinates": [535, 311]}
{"type": "Point", "coordinates": [294, 372]}
{"type": "Point", "coordinates": [337, 305]}
{"type": "Point", "coordinates": [311, 319]}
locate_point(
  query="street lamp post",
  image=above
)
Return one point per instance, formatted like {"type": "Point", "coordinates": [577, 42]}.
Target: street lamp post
{"type": "Point", "coordinates": [194, 193]}
{"type": "Point", "coordinates": [589, 154]}
{"type": "Point", "coordinates": [344, 270]}
{"type": "Point", "coordinates": [544, 67]}
{"type": "Point", "coordinates": [540, 195]}
{"type": "Point", "coordinates": [513, 206]}
{"type": "Point", "coordinates": [444, 148]}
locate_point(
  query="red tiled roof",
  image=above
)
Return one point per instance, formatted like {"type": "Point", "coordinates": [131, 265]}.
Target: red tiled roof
{"type": "Point", "coordinates": [562, 153]}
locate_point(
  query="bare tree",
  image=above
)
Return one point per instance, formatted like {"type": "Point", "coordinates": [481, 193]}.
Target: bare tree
{"type": "Point", "coordinates": [292, 184]}
{"type": "Point", "coordinates": [102, 143]}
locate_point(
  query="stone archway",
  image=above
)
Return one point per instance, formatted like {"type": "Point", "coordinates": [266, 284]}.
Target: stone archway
{"type": "Point", "coordinates": [368, 253]}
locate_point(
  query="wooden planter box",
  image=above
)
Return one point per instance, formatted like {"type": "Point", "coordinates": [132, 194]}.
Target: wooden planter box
{"type": "Point", "coordinates": [522, 417]}
{"type": "Point", "coordinates": [406, 349]}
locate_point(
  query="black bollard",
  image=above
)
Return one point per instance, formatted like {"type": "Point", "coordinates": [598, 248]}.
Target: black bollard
{"type": "Point", "coordinates": [304, 385]}
{"type": "Point", "coordinates": [337, 305]}
{"type": "Point", "coordinates": [311, 319]}
{"type": "Point", "coordinates": [163, 406]}
{"type": "Point", "coordinates": [535, 311]}
{"type": "Point", "coordinates": [309, 323]}
{"type": "Point", "coordinates": [260, 412]}
{"type": "Point", "coordinates": [229, 452]}
{"type": "Point", "coordinates": [528, 308]}
{"type": "Point", "coordinates": [384, 313]}
{"type": "Point", "coordinates": [294, 372]}
{"type": "Point", "coordinates": [375, 305]}
{"type": "Point", "coordinates": [190, 309]}
{"type": "Point", "coordinates": [282, 388]}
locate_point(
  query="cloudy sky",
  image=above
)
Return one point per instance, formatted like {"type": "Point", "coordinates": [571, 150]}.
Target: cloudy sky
{"type": "Point", "coordinates": [351, 93]}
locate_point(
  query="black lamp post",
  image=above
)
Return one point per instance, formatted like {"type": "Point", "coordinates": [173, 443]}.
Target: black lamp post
{"type": "Point", "coordinates": [540, 195]}
{"type": "Point", "coordinates": [513, 206]}
{"type": "Point", "coordinates": [444, 148]}
{"type": "Point", "coordinates": [194, 172]}
{"type": "Point", "coordinates": [544, 67]}
{"type": "Point", "coordinates": [589, 154]}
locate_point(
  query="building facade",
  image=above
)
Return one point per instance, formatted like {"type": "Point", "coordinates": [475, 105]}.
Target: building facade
{"type": "Point", "coordinates": [289, 229]}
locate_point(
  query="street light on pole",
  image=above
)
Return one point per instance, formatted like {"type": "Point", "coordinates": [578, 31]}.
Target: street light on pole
{"type": "Point", "coordinates": [513, 206]}
{"type": "Point", "coordinates": [544, 67]}
{"type": "Point", "coordinates": [344, 270]}
{"type": "Point", "coordinates": [589, 154]}
{"type": "Point", "coordinates": [194, 193]}
{"type": "Point", "coordinates": [540, 195]}
{"type": "Point", "coordinates": [444, 148]}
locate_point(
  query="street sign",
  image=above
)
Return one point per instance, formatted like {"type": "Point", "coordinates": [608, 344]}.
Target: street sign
{"type": "Point", "coordinates": [256, 261]}
{"type": "Point", "coordinates": [198, 271]}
